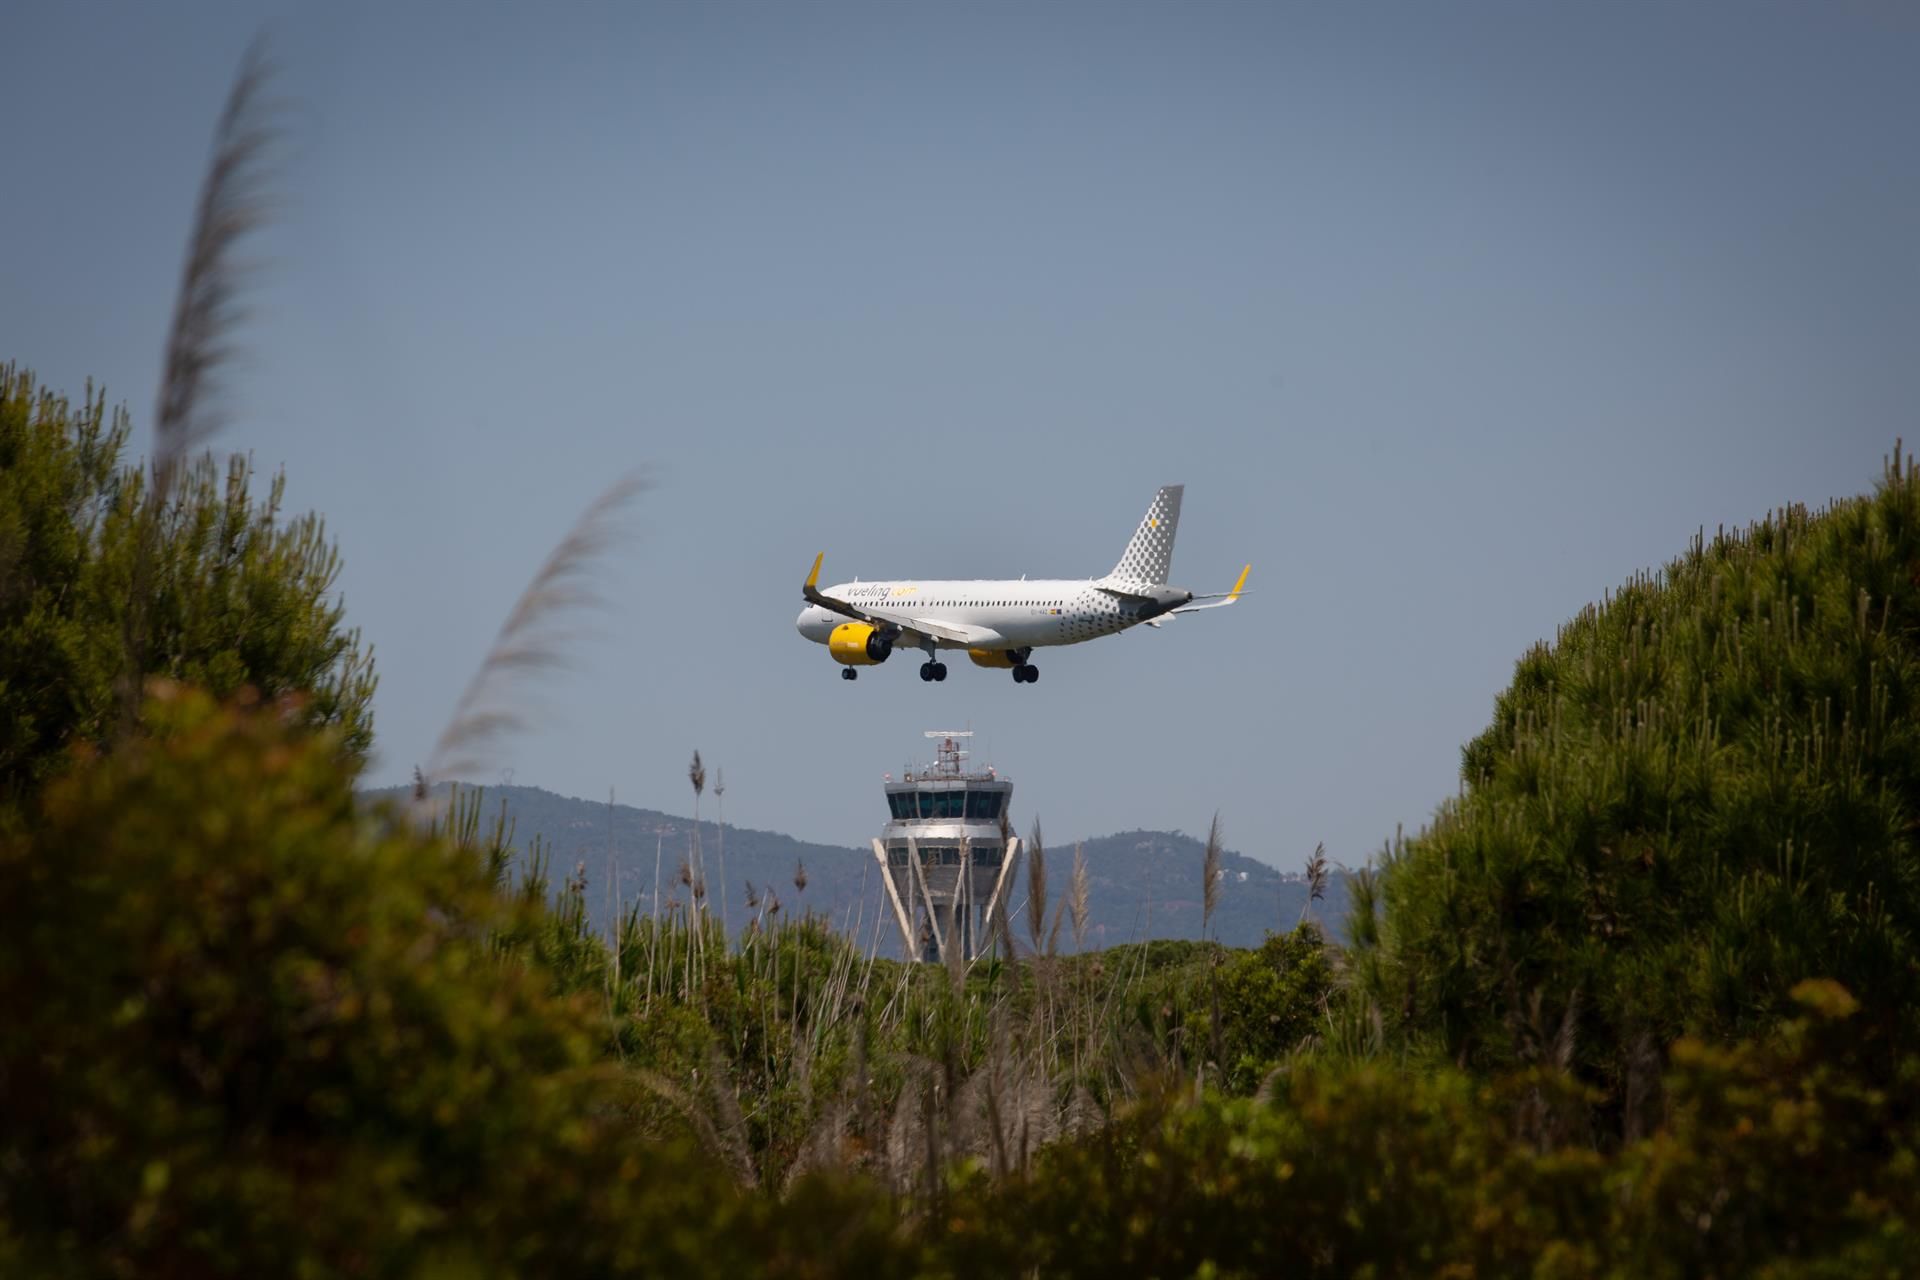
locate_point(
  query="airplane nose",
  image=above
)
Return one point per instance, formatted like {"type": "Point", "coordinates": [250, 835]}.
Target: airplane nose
{"type": "Point", "coordinates": [814, 623]}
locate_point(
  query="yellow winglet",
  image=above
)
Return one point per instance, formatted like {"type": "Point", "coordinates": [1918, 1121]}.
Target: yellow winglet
{"type": "Point", "coordinates": [813, 579]}
{"type": "Point", "coordinates": [1233, 594]}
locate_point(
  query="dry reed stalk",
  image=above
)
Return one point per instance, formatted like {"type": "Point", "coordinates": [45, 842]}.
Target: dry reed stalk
{"type": "Point", "coordinates": [1316, 881]}
{"type": "Point", "coordinates": [1077, 894]}
{"type": "Point", "coordinates": [659, 839]}
{"type": "Point", "coordinates": [686, 880]}
{"type": "Point", "coordinates": [231, 204]}
{"type": "Point", "coordinates": [1116, 992]}
{"type": "Point", "coordinates": [653, 934]}
{"type": "Point", "coordinates": [793, 1014]}
{"type": "Point", "coordinates": [894, 1012]}
{"type": "Point", "coordinates": [1036, 884]}
{"type": "Point", "coordinates": [205, 311]}
{"type": "Point", "coordinates": [1003, 930]}
{"type": "Point", "coordinates": [669, 1092]}
{"type": "Point", "coordinates": [527, 640]}
{"type": "Point", "coordinates": [998, 1046]}
{"type": "Point", "coordinates": [697, 776]}
{"type": "Point", "coordinates": [720, 801]}
{"type": "Point", "coordinates": [1077, 908]}
{"type": "Point", "coordinates": [1210, 870]}
{"type": "Point", "coordinates": [861, 1083]}
{"type": "Point", "coordinates": [956, 952]}
{"type": "Point", "coordinates": [613, 893]}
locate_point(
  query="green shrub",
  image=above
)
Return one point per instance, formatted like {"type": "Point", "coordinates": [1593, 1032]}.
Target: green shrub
{"type": "Point", "coordinates": [1783, 1158]}
{"type": "Point", "coordinates": [236, 596]}
{"type": "Point", "coordinates": [253, 1031]}
{"type": "Point", "coordinates": [1701, 794]}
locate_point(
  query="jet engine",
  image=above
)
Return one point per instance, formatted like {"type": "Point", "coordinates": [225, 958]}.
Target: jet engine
{"type": "Point", "coordinates": [857, 644]}
{"type": "Point", "coordinates": [1001, 658]}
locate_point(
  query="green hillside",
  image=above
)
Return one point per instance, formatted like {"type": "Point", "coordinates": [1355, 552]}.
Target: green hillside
{"type": "Point", "coordinates": [1142, 884]}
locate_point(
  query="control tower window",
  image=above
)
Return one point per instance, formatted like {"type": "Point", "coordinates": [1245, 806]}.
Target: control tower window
{"type": "Point", "coordinates": [901, 802]}
{"type": "Point", "coordinates": [926, 803]}
{"type": "Point", "coordinates": [983, 805]}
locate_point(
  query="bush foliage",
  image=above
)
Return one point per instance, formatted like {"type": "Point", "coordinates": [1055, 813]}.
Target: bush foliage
{"type": "Point", "coordinates": [1779, 1159]}
{"type": "Point", "coordinates": [288, 1042]}
{"type": "Point", "coordinates": [1702, 795]}
{"type": "Point", "coordinates": [233, 595]}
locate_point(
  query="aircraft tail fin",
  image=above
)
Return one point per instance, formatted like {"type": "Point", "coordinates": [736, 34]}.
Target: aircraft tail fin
{"type": "Point", "coordinates": [1149, 557]}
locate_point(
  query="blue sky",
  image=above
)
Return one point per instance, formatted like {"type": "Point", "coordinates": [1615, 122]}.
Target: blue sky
{"type": "Point", "coordinates": [1450, 317]}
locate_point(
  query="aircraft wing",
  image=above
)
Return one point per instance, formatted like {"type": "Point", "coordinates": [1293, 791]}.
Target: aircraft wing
{"type": "Point", "coordinates": [938, 630]}
{"type": "Point", "coordinates": [884, 617]}
{"type": "Point", "coordinates": [811, 590]}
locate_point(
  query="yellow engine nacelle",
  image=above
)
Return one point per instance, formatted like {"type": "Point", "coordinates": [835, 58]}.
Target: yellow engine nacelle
{"type": "Point", "coordinates": [855, 644]}
{"type": "Point", "coordinates": [992, 658]}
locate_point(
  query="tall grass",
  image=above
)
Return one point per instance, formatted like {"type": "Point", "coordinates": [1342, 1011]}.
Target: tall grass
{"type": "Point", "coordinates": [792, 1047]}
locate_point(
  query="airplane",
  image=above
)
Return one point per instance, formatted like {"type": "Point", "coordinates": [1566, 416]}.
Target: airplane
{"type": "Point", "coordinates": [1000, 623]}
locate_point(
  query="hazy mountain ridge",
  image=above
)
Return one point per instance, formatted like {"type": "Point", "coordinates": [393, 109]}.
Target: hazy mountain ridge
{"type": "Point", "coordinates": [1141, 884]}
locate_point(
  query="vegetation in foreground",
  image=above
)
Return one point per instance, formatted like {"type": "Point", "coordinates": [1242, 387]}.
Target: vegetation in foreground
{"type": "Point", "coordinates": [1638, 1002]}
{"type": "Point", "coordinates": [233, 595]}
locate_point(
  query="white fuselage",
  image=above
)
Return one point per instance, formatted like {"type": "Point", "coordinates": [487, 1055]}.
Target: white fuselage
{"type": "Point", "coordinates": [999, 614]}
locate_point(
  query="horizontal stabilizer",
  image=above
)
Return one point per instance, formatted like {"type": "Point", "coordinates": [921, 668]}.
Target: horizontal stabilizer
{"type": "Point", "coordinates": [1222, 600]}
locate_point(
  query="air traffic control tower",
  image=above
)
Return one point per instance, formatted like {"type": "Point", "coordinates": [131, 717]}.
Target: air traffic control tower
{"type": "Point", "coordinates": [948, 852]}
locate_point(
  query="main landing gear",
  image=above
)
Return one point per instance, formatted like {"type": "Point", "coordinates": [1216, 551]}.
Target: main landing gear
{"type": "Point", "coordinates": [848, 673]}
{"type": "Point", "coordinates": [1024, 672]}
{"type": "Point", "coordinates": [933, 671]}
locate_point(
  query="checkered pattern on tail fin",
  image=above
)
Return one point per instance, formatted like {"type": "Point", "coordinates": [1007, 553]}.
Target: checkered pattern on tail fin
{"type": "Point", "coordinates": [1149, 557]}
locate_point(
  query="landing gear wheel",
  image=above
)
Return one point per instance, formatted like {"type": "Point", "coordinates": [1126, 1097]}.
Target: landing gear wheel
{"type": "Point", "coordinates": [939, 671]}
{"type": "Point", "coordinates": [926, 671]}
{"type": "Point", "coordinates": [848, 673]}
{"type": "Point", "coordinates": [1025, 673]}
